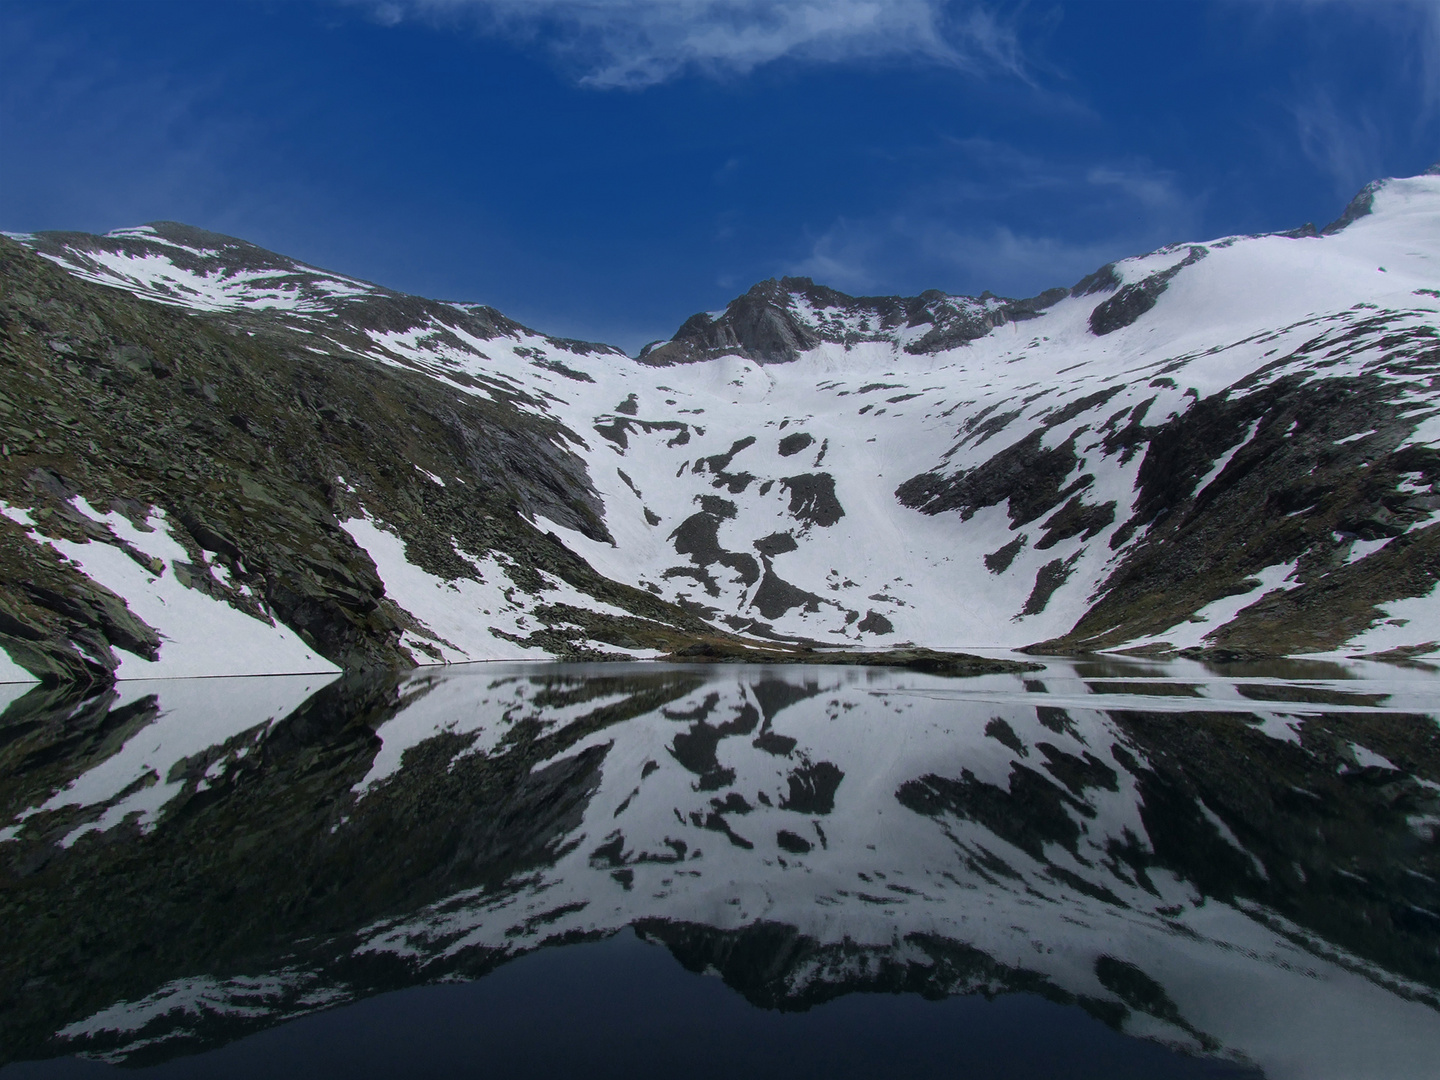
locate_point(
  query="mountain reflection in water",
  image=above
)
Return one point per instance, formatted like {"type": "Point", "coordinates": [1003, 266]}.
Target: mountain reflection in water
{"type": "Point", "coordinates": [1239, 863]}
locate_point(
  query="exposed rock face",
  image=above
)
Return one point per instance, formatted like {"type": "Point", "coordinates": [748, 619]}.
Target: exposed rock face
{"type": "Point", "coordinates": [1138, 297]}
{"type": "Point", "coordinates": [1027, 477]}
{"type": "Point", "coordinates": [1295, 493]}
{"type": "Point", "coordinates": [1357, 208]}
{"type": "Point", "coordinates": [777, 321]}
{"type": "Point", "coordinates": [759, 324]}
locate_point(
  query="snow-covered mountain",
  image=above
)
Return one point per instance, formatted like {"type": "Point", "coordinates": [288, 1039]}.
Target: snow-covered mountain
{"type": "Point", "coordinates": [1227, 446]}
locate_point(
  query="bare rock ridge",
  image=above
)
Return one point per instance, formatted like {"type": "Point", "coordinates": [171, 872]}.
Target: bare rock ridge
{"type": "Point", "coordinates": [273, 283]}
{"type": "Point", "coordinates": [777, 321]}
{"type": "Point", "coordinates": [215, 459]}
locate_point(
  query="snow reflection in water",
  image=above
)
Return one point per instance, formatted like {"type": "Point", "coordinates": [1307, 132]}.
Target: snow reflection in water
{"type": "Point", "coordinates": [1237, 861]}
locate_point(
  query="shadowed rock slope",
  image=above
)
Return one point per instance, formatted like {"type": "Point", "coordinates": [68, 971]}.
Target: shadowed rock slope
{"type": "Point", "coordinates": [253, 445]}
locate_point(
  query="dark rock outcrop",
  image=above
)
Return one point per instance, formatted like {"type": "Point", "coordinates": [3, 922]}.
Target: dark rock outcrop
{"type": "Point", "coordinates": [776, 321]}
{"type": "Point", "coordinates": [1138, 297]}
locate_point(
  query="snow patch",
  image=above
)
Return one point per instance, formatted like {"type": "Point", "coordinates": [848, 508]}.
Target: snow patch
{"type": "Point", "coordinates": [1369, 759]}
{"type": "Point", "coordinates": [200, 636]}
{"type": "Point", "coordinates": [13, 673]}
{"type": "Point", "coordinates": [192, 715]}
{"type": "Point", "coordinates": [1402, 624]}
{"type": "Point", "coordinates": [1214, 616]}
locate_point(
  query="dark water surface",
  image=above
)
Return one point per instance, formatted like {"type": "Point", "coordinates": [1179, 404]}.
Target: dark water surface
{"type": "Point", "coordinates": [1106, 869]}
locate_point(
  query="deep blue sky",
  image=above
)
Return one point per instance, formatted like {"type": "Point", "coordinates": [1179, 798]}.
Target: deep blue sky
{"type": "Point", "coordinates": [603, 170]}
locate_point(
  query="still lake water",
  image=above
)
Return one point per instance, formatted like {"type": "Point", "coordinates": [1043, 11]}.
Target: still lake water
{"type": "Point", "coordinates": [1114, 868]}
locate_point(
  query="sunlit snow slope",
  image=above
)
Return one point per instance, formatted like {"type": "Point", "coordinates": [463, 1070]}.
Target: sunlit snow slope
{"type": "Point", "coordinates": [1228, 446]}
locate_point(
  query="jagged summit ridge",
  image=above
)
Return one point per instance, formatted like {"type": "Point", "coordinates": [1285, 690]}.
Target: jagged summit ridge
{"type": "Point", "coordinates": [199, 270]}
{"type": "Point", "coordinates": [779, 320]}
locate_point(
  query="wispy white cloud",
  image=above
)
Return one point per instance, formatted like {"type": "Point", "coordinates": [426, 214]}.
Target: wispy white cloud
{"type": "Point", "coordinates": [1347, 147]}
{"type": "Point", "coordinates": [1349, 135]}
{"type": "Point", "coordinates": [1415, 24]}
{"type": "Point", "coordinates": [954, 236]}
{"type": "Point", "coordinates": [1150, 190]}
{"type": "Point", "coordinates": [1430, 57]}
{"type": "Point", "coordinates": [638, 43]}
{"type": "Point", "coordinates": [873, 255]}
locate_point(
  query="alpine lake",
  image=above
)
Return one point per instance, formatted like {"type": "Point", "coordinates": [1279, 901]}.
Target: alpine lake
{"type": "Point", "coordinates": [1111, 867]}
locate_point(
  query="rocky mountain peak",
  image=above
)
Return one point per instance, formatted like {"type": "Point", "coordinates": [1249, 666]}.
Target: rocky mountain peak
{"type": "Point", "coordinates": [779, 319]}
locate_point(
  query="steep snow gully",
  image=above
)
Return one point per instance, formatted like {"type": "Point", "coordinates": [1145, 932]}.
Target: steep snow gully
{"type": "Point", "coordinates": [1227, 448]}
